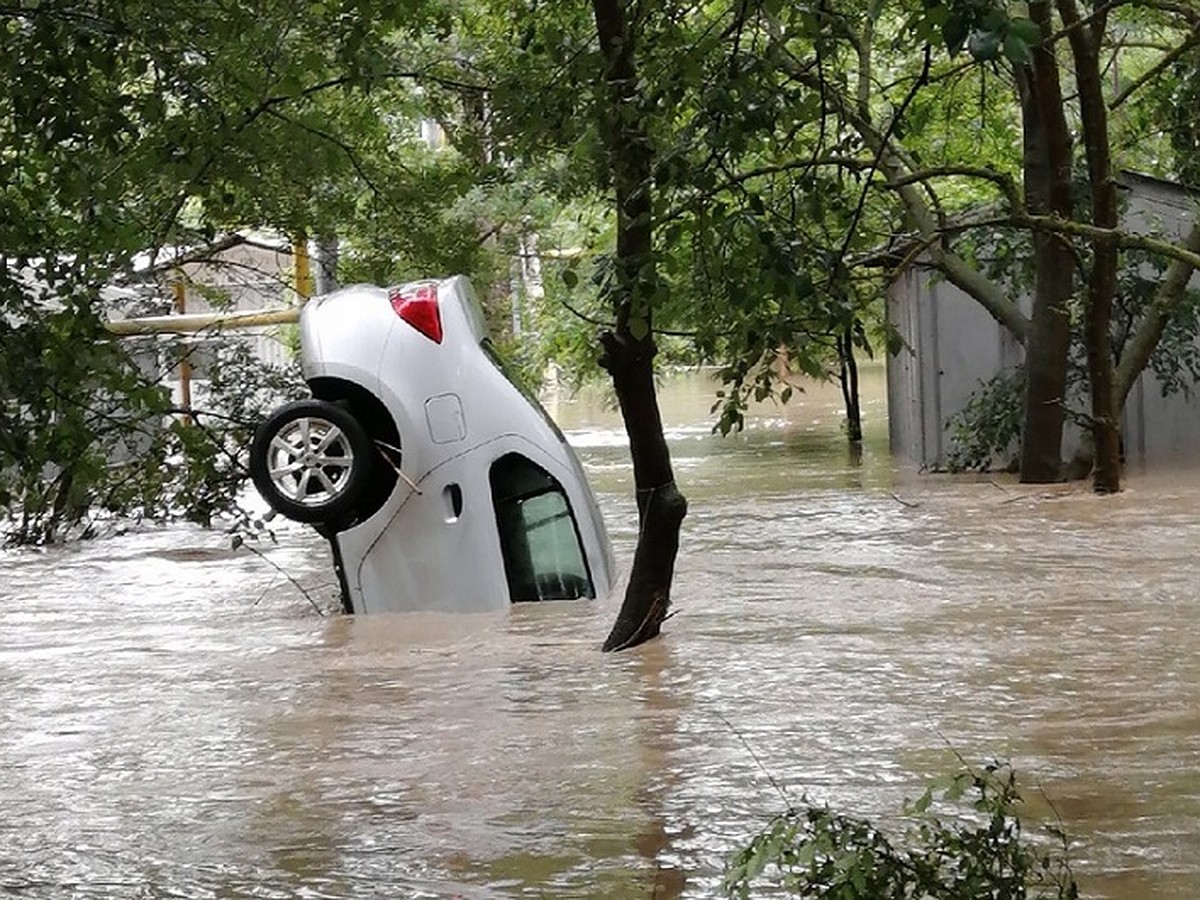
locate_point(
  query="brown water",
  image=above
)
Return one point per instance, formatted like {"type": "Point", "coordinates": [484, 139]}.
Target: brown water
{"type": "Point", "coordinates": [176, 720]}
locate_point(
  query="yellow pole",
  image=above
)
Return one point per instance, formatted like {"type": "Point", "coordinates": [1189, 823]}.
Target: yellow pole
{"type": "Point", "coordinates": [304, 282]}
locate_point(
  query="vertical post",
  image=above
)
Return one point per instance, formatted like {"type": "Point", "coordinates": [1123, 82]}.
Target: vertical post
{"type": "Point", "coordinates": [179, 290]}
{"type": "Point", "coordinates": [304, 279]}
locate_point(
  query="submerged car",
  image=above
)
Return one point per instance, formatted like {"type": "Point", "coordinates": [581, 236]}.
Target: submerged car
{"type": "Point", "coordinates": [439, 484]}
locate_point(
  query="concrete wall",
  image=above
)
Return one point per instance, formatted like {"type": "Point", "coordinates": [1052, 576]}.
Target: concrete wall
{"type": "Point", "coordinates": [955, 346]}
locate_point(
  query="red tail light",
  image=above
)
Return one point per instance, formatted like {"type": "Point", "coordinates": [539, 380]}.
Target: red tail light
{"type": "Point", "coordinates": [418, 307]}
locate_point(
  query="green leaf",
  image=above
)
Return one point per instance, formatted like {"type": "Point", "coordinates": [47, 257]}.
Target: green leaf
{"type": "Point", "coordinates": [1016, 50]}
{"type": "Point", "coordinates": [993, 19]}
{"type": "Point", "coordinates": [955, 32]}
{"type": "Point", "coordinates": [1027, 30]}
{"type": "Point", "coordinates": [922, 803]}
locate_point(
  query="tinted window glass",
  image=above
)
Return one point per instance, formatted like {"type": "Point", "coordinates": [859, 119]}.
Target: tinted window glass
{"type": "Point", "coordinates": [543, 557]}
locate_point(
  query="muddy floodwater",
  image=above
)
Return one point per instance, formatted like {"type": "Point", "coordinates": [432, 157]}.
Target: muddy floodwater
{"type": "Point", "coordinates": [176, 720]}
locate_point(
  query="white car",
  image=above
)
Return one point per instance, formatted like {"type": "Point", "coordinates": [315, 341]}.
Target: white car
{"type": "Point", "coordinates": [438, 483]}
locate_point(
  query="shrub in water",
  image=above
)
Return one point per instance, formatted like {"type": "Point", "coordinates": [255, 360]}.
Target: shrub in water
{"type": "Point", "coordinates": [976, 851]}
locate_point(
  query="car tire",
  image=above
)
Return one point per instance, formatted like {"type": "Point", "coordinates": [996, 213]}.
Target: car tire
{"type": "Point", "coordinates": [311, 461]}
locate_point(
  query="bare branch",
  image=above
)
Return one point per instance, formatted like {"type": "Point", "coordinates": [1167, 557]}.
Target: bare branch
{"type": "Point", "coordinates": [1097, 15]}
{"type": "Point", "coordinates": [199, 254]}
{"type": "Point", "coordinates": [1124, 239]}
{"type": "Point", "coordinates": [886, 140]}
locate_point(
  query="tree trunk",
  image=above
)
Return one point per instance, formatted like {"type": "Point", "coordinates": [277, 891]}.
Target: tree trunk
{"type": "Point", "coordinates": [1102, 280]}
{"type": "Point", "coordinates": [629, 349]}
{"type": "Point", "coordinates": [661, 506]}
{"type": "Point", "coordinates": [1047, 153]}
{"type": "Point", "coordinates": [849, 380]}
{"type": "Point", "coordinates": [328, 251]}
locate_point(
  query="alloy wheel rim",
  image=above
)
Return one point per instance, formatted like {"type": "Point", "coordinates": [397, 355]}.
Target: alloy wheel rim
{"type": "Point", "coordinates": [309, 461]}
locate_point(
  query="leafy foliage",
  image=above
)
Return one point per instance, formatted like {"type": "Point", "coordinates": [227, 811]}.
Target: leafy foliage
{"type": "Point", "coordinates": [988, 426]}
{"type": "Point", "coordinates": [1176, 360]}
{"type": "Point", "coordinates": [984, 853]}
{"type": "Point", "coordinates": [130, 131]}
{"type": "Point", "coordinates": [983, 28]}
{"type": "Point", "coordinates": [985, 432]}
{"type": "Point", "coordinates": [89, 435]}
{"type": "Point", "coordinates": [79, 424]}
{"type": "Point", "coordinates": [750, 234]}
{"type": "Point", "coordinates": [205, 463]}
{"type": "Point", "coordinates": [1182, 98]}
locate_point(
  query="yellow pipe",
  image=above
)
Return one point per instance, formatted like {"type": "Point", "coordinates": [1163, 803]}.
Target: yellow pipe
{"type": "Point", "coordinates": [201, 321]}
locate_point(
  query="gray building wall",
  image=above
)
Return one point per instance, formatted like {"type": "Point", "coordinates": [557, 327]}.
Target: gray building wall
{"type": "Point", "coordinates": [250, 277]}
{"type": "Point", "coordinates": [954, 346]}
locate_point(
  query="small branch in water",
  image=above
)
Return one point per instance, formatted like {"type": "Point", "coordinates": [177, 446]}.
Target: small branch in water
{"type": "Point", "coordinates": [278, 568]}
{"type": "Point", "coordinates": [758, 762]}
{"type": "Point", "coordinates": [902, 502]}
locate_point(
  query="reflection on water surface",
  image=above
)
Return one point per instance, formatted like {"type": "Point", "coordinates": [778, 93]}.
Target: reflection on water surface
{"type": "Point", "coordinates": [176, 721]}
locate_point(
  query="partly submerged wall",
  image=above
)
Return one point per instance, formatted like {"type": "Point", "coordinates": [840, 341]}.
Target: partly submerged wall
{"type": "Point", "coordinates": [954, 346]}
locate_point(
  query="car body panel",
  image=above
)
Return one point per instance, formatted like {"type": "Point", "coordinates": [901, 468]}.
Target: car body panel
{"type": "Point", "coordinates": [434, 543]}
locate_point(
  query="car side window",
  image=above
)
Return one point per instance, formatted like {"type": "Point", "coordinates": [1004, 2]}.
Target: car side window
{"type": "Point", "coordinates": [543, 555]}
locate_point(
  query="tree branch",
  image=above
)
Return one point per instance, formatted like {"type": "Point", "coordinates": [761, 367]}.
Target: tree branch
{"type": "Point", "coordinates": [1158, 68]}
{"type": "Point", "coordinates": [1150, 329]}
{"type": "Point", "coordinates": [1054, 225]}
{"type": "Point", "coordinates": [1001, 180]}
